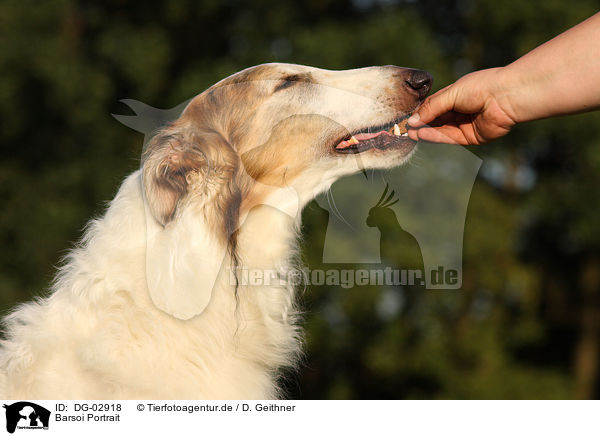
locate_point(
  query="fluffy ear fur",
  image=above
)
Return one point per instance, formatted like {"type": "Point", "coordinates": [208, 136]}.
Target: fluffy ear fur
{"type": "Point", "coordinates": [192, 210]}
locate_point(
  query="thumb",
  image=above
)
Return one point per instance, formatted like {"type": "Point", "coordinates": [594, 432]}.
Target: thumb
{"type": "Point", "coordinates": [434, 106]}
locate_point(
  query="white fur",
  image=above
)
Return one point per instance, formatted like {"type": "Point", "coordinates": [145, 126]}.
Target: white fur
{"type": "Point", "coordinates": [99, 334]}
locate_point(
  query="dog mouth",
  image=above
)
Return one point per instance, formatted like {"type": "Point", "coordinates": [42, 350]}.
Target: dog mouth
{"type": "Point", "coordinates": [382, 137]}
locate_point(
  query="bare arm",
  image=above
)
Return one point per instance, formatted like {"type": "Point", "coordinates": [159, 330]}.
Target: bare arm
{"type": "Point", "coordinates": [559, 77]}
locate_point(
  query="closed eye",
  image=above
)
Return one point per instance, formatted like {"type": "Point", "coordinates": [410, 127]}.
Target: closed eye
{"type": "Point", "coordinates": [291, 80]}
{"type": "Point", "coordinates": [284, 83]}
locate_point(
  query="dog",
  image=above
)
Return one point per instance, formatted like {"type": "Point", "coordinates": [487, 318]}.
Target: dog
{"type": "Point", "coordinates": [145, 305]}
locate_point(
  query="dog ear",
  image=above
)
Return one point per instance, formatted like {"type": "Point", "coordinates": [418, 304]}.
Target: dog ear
{"type": "Point", "coordinates": [192, 206]}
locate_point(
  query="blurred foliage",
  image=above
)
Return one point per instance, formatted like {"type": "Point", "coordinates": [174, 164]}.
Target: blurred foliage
{"type": "Point", "coordinates": [526, 323]}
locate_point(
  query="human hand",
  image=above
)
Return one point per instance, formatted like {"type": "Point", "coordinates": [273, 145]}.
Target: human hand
{"type": "Point", "coordinates": [473, 110]}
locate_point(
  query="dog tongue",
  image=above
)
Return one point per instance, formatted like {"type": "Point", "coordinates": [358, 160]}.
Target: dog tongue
{"type": "Point", "coordinates": [360, 137]}
{"type": "Point", "coordinates": [365, 136]}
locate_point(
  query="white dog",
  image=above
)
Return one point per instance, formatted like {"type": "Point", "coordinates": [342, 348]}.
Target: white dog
{"type": "Point", "coordinates": [146, 305]}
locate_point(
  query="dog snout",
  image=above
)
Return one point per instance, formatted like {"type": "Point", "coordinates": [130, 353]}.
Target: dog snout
{"type": "Point", "coordinates": [419, 82]}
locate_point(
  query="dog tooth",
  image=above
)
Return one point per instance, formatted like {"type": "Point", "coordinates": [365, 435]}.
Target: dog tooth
{"type": "Point", "coordinates": [396, 130]}
{"type": "Point", "coordinates": [353, 140]}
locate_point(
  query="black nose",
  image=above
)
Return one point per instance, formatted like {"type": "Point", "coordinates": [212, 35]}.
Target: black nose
{"type": "Point", "coordinates": [420, 81]}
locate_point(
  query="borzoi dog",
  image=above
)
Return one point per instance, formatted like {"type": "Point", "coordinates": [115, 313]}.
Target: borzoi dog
{"type": "Point", "coordinates": [145, 305]}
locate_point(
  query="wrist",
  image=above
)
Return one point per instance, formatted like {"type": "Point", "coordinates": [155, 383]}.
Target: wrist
{"type": "Point", "coordinates": [510, 92]}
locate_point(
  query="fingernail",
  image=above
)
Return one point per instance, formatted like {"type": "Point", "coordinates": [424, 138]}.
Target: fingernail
{"type": "Point", "coordinates": [414, 119]}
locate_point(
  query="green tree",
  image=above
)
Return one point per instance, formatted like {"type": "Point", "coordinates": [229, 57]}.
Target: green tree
{"type": "Point", "coordinates": [526, 323]}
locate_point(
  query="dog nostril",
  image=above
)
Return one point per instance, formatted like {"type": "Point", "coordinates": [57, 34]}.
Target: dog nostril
{"type": "Point", "coordinates": [420, 81]}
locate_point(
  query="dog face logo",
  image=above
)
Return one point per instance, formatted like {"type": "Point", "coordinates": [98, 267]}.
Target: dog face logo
{"type": "Point", "coordinates": [26, 415]}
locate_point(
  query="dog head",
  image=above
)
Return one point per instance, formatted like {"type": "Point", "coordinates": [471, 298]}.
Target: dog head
{"type": "Point", "coordinates": [265, 128]}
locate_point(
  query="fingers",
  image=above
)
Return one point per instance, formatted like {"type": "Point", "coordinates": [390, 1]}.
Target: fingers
{"type": "Point", "coordinates": [448, 128]}
{"type": "Point", "coordinates": [412, 134]}
{"type": "Point", "coordinates": [435, 105]}
{"type": "Point", "coordinates": [437, 121]}
{"type": "Point", "coordinates": [444, 134]}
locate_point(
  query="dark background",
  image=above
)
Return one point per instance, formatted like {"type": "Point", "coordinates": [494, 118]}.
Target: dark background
{"type": "Point", "coordinates": [526, 323]}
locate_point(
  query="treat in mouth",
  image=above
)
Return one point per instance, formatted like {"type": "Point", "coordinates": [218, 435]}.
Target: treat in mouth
{"type": "Point", "coordinates": [382, 137]}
